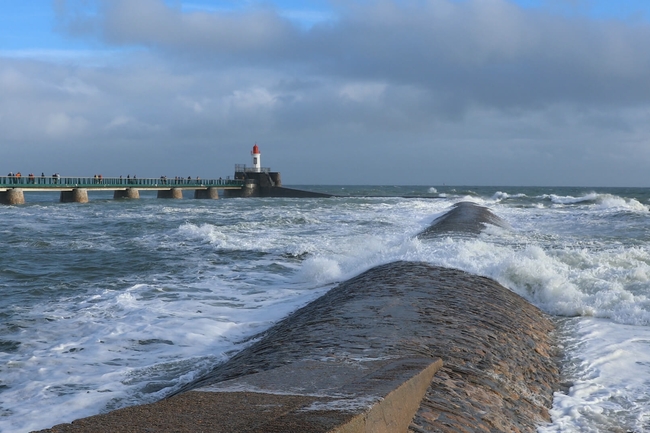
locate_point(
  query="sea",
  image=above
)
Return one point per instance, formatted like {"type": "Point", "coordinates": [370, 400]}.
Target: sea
{"type": "Point", "coordinates": [121, 302]}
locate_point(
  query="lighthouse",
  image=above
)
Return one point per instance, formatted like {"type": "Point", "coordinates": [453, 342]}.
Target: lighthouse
{"type": "Point", "coordinates": [256, 181]}
{"type": "Point", "coordinates": [257, 163]}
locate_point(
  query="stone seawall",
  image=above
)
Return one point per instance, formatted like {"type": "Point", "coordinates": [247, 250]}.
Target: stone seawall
{"type": "Point", "coordinates": [252, 189]}
{"type": "Point", "coordinates": [338, 363]}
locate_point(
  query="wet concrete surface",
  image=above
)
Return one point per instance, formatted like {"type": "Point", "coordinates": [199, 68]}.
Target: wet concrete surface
{"type": "Point", "coordinates": [365, 357]}
{"type": "Point", "coordinates": [463, 218]}
{"type": "Point", "coordinates": [499, 369]}
{"type": "Point", "coordinates": [316, 369]}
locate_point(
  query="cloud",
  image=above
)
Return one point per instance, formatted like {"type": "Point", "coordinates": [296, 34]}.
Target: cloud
{"type": "Point", "coordinates": [197, 33]}
{"type": "Point", "coordinates": [61, 125]}
{"type": "Point", "coordinates": [476, 91]}
{"type": "Point", "coordinates": [489, 52]}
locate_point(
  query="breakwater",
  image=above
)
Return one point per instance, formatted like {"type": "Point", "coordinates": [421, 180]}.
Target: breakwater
{"type": "Point", "coordinates": [403, 346]}
{"type": "Point", "coordinates": [498, 371]}
{"type": "Point", "coordinates": [464, 217]}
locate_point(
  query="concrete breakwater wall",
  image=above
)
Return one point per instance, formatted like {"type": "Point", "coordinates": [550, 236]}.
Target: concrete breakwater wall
{"type": "Point", "coordinates": [405, 346]}
{"type": "Point", "coordinates": [498, 370]}
{"type": "Point", "coordinates": [464, 217]}
{"type": "Point", "coordinates": [323, 363]}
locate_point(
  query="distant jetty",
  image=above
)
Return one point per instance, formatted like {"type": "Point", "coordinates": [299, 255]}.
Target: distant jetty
{"type": "Point", "coordinates": [259, 181]}
{"type": "Point", "coordinates": [253, 181]}
{"type": "Point", "coordinates": [256, 186]}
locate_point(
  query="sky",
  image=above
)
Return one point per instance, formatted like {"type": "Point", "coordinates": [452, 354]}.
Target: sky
{"type": "Point", "coordinates": [386, 92]}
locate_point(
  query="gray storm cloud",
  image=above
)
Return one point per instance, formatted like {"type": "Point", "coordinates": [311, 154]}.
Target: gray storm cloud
{"type": "Point", "coordinates": [488, 51]}
{"type": "Point", "coordinates": [479, 91]}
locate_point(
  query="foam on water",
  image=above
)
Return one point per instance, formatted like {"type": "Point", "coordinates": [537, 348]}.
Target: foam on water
{"type": "Point", "coordinates": [118, 348]}
{"type": "Point", "coordinates": [149, 295]}
{"type": "Point", "coordinates": [558, 275]}
{"type": "Point", "coordinates": [224, 279]}
{"type": "Point", "coordinates": [607, 202]}
{"type": "Point", "coordinates": [500, 195]}
{"type": "Point", "coordinates": [599, 201]}
{"type": "Point", "coordinates": [320, 269]}
{"type": "Point", "coordinates": [607, 368]}
{"type": "Point", "coordinates": [588, 198]}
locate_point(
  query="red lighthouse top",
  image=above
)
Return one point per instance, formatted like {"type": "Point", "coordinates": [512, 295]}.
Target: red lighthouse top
{"type": "Point", "coordinates": [256, 150]}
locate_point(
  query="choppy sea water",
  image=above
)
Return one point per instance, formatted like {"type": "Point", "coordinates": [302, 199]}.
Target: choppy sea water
{"type": "Point", "coordinates": [114, 303]}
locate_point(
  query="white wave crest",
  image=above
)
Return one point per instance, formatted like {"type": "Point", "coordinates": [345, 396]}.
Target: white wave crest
{"type": "Point", "coordinates": [600, 201]}
{"type": "Point", "coordinates": [612, 202]}
{"type": "Point", "coordinates": [500, 195]}
{"type": "Point", "coordinates": [320, 269]}
{"type": "Point", "coordinates": [204, 232]}
{"type": "Point", "coordinates": [558, 199]}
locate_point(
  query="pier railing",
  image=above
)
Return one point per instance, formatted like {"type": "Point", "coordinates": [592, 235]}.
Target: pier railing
{"type": "Point", "coordinates": [242, 168]}
{"type": "Point", "coordinates": [112, 182]}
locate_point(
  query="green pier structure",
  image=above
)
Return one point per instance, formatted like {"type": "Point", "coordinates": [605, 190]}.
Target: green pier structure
{"type": "Point", "coordinates": [75, 189]}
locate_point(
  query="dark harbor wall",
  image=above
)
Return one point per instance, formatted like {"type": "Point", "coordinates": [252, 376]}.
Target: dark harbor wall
{"type": "Point", "coordinates": [267, 184]}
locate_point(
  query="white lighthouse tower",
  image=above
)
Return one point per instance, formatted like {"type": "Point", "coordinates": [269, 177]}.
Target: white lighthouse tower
{"type": "Point", "coordinates": [257, 163]}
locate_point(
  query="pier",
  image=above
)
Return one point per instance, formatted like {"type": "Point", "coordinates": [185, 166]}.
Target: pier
{"type": "Point", "coordinates": [75, 189]}
{"type": "Point", "coordinates": [248, 181]}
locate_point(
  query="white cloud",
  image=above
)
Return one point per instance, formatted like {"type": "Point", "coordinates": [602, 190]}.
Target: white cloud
{"type": "Point", "coordinates": [62, 125]}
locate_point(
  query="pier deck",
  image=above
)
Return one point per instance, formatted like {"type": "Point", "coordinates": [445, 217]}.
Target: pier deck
{"type": "Point", "coordinates": [53, 183]}
{"type": "Point", "coordinates": [75, 188]}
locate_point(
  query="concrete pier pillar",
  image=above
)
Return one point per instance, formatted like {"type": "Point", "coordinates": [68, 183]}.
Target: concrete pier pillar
{"type": "Point", "coordinates": [130, 193]}
{"type": "Point", "coordinates": [250, 189]}
{"type": "Point", "coordinates": [176, 193]}
{"type": "Point", "coordinates": [211, 193]}
{"type": "Point", "coordinates": [77, 195]}
{"type": "Point", "coordinates": [12, 196]}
